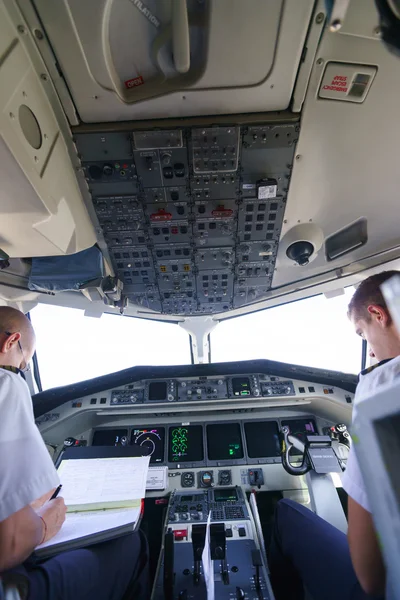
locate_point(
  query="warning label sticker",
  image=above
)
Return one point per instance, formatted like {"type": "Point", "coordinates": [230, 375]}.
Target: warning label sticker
{"type": "Point", "coordinates": [339, 83]}
{"type": "Point", "coordinates": [135, 82]}
{"type": "Point", "coordinates": [266, 191]}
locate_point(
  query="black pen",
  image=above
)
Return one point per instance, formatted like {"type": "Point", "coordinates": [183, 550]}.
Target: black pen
{"type": "Point", "coordinates": [56, 492]}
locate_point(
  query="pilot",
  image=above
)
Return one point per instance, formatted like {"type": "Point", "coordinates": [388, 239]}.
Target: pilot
{"type": "Point", "coordinates": [305, 548]}
{"type": "Point", "coordinates": [109, 571]}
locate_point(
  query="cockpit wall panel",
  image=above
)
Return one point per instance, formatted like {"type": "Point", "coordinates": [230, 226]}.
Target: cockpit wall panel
{"type": "Point", "coordinates": [136, 60]}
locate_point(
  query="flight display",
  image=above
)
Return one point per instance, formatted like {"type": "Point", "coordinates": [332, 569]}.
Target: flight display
{"type": "Point", "coordinates": [262, 438]}
{"type": "Point", "coordinates": [225, 495]}
{"type": "Point", "coordinates": [151, 438]}
{"type": "Point", "coordinates": [241, 386]}
{"type": "Point", "coordinates": [157, 391]}
{"type": "Point", "coordinates": [185, 444]}
{"type": "Point", "coordinates": [224, 441]}
{"type": "Point", "coordinates": [110, 437]}
{"type": "Point", "coordinates": [300, 428]}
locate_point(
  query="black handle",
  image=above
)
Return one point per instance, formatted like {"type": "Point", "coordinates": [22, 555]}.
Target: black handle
{"type": "Point", "coordinates": [286, 447]}
{"type": "Point", "coordinates": [169, 575]}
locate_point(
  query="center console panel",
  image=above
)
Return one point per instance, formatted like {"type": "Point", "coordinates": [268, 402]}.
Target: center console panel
{"type": "Point", "coordinates": [237, 563]}
{"type": "Point", "coordinates": [223, 503]}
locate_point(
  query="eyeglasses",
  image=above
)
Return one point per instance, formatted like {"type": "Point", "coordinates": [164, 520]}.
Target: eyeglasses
{"type": "Point", "coordinates": [27, 367]}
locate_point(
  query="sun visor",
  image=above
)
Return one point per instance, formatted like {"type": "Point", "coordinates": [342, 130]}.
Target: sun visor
{"type": "Point", "coordinates": [66, 273]}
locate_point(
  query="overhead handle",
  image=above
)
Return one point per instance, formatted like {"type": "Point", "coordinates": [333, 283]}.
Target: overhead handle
{"type": "Point", "coordinates": [180, 36]}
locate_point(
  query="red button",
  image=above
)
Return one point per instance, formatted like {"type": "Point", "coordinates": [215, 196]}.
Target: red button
{"type": "Point", "coordinates": [180, 534]}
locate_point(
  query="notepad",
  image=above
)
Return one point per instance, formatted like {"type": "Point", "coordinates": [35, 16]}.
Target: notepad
{"type": "Point", "coordinates": [104, 499]}
{"type": "Point", "coordinates": [98, 483]}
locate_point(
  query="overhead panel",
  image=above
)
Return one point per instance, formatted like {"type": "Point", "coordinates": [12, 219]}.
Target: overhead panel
{"type": "Point", "coordinates": [191, 216]}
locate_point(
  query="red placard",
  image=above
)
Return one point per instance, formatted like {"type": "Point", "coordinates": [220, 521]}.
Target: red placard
{"type": "Point", "coordinates": [221, 212]}
{"type": "Point", "coordinates": [135, 82]}
{"type": "Point", "coordinates": [161, 215]}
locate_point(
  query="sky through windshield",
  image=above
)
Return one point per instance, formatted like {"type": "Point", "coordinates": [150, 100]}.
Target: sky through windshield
{"type": "Point", "coordinates": [313, 332]}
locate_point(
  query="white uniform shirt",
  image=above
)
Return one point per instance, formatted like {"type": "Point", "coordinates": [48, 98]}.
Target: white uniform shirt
{"type": "Point", "coordinates": [370, 382]}
{"type": "Point", "coordinates": [26, 469]}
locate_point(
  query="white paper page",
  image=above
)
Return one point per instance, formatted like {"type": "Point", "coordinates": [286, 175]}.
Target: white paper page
{"type": "Point", "coordinates": [80, 524]}
{"type": "Point", "coordinates": [208, 565]}
{"type": "Point", "coordinates": [100, 480]}
{"type": "Point", "coordinates": [157, 478]}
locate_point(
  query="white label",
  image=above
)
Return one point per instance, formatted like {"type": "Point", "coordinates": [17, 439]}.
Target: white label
{"type": "Point", "coordinates": [248, 186]}
{"type": "Point", "coordinates": [157, 478]}
{"type": "Point", "coordinates": [267, 191]}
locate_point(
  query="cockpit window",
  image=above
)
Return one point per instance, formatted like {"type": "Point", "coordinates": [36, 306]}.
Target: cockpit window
{"type": "Point", "coordinates": [314, 332]}
{"type": "Point", "coordinates": [72, 347]}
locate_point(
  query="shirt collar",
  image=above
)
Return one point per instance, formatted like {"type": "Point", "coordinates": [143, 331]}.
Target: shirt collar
{"type": "Point", "coordinates": [373, 367]}
{"type": "Point", "coordinates": [13, 370]}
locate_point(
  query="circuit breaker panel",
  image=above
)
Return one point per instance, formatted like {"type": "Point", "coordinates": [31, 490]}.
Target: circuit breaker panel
{"type": "Point", "coordinates": [191, 216]}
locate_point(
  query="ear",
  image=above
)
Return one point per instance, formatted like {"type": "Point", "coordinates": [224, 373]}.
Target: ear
{"type": "Point", "coordinates": [9, 342]}
{"type": "Point", "coordinates": [379, 314]}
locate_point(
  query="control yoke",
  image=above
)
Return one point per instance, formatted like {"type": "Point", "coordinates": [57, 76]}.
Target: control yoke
{"type": "Point", "coordinates": [317, 451]}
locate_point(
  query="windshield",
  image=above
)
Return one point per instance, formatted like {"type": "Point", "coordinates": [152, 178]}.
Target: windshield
{"type": "Point", "coordinates": [313, 332]}
{"type": "Point", "coordinates": [72, 347]}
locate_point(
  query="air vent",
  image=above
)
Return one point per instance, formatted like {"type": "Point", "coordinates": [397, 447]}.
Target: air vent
{"type": "Point", "coordinates": [346, 240]}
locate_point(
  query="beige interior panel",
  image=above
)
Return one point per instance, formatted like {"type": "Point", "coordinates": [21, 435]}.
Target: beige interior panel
{"type": "Point", "coordinates": [41, 206]}
{"type": "Point", "coordinates": [253, 53]}
{"type": "Point", "coordinates": [346, 163]}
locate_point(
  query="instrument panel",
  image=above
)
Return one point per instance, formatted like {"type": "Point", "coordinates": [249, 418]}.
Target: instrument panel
{"type": "Point", "coordinates": [204, 388]}
{"type": "Point", "coordinates": [211, 425]}
{"type": "Point", "coordinates": [225, 504]}
{"type": "Point", "coordinates": [186, 445]}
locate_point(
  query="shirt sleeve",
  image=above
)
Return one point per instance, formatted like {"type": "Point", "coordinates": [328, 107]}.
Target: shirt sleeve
{"type": "Point", "coordinates": [26, 469]}
{"type": "Point", "coordinates": [353, 482]}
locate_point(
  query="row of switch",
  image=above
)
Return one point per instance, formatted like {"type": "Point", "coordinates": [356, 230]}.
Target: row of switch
{"type": "Point", "coordinates": [252, 272]}
{"type": "Point", "coordinates": [178, 169]}
{"type": "Point", "coordinates": [216, 179]}
{"type": "Point", "coordinates": [181, 535]}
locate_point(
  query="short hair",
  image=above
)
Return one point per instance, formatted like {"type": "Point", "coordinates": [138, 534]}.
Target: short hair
{"type": "Point", "coordinates": [367, 293]}
{"type": "Point", "coordinates": [13, 320]}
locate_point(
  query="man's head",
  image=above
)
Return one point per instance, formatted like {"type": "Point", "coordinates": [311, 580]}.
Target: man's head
{"type": "Point", "coordinates": [371, 318]}
{"type": "Point", "coordinates": [17, 338]}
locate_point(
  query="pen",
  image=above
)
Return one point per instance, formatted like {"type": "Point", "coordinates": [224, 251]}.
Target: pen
{"type": "Point", "coordinates": [56, 492]}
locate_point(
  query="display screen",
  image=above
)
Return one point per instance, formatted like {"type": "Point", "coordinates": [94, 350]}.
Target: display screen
{"type": "Point", "coordinates": [300, 428]}
{"type": "Point", "coordinates": [158, 390]}
{"type": "Point", "coordinates": [186, 499]}
{"type": "Point", "coordinates": [241, 386]}
{"type": "Point", "coordinates": [110, 437]}
{"type": "Point", "coordinates": [185, 444]}
{"type": "Point", "coordinates": [224, 441]}
{"type": "Point", "coordinates": [262, 438]}
{"type": "Point", "coordinates": [151, 438]}
{"type": "Point", "coordinates": [225, 495]}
